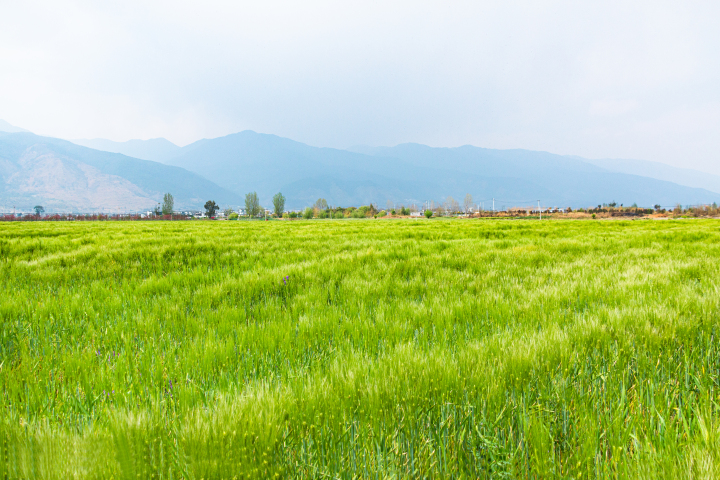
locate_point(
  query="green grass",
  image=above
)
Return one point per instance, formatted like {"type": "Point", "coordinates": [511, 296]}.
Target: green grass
{"type": "Point", "coordinates": [394, 349]}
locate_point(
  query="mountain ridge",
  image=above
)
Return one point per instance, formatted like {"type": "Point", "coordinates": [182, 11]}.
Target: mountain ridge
{"type": "Point", "coordinates": [63, 176]}
{"type": "Point", "coordinates": [154, 149]}
{"type": "Point", "coordinates": [660, 171]}
{"type": "Point", "coordinates": [224, 169]}
{"type": "Point", "coordinates": [412, 173]}
{"type": "Point", "coordinates": [7, 128]}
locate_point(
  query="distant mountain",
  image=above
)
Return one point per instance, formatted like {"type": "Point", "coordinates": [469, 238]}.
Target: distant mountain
{"type": "Point", "coordinates": [661, 171]}
{"type": "Point", "coordinates": [63, 176]}
{"type": "Point", "coordinates": [566, 180]}
{"type": "Point", "coordinates": [249, 161]}
{"type": "Point", "coordinates": [6, 127]}
{"type": "Point", "coordinates": [156, 149]}
{"type": "Point", "coordinates": [412, 173]}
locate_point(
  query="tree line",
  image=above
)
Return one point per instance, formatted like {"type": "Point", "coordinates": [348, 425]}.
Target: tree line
{"type": "Point", "coordinates": [321, 209]}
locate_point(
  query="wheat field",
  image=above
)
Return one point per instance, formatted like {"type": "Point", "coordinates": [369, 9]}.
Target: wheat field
{"type": "Point", "coordinates": [360, 349]}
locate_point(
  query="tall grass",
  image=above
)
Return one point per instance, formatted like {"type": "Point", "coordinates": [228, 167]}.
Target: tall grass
{"type": "Point", "coordinates": [413, 349]}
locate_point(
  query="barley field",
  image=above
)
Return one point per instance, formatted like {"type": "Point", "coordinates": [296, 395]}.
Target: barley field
{"type": "Point", "coordinates": [360, 349]}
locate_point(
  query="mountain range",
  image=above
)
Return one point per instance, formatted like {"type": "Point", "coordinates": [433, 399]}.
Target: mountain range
{"type": "Point", "coordinates": [412, 173]}
{"type": "Point", "coordinates": [155, 149]}
{"type": "Point", "coordinates": [93, 174]}
{"type": "Point", "coordinates": [660, 171]}
{"type": "Point", "coordinates": [64, 177]}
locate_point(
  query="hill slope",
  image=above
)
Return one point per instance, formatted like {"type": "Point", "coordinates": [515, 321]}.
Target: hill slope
{"type": "Point", "coordinates": [6, 127]}
{"type": "Point", "coordinates": [411, 173]}
{"type": "Point", "coordinates": [63, 176]}
{"type": "Point", "coordinates": [156, 149]}
{"type": "Point", "coordinates": [248, 161]}
{"type": "Point", "coordinates": [661, 171]}
{"type": "Point", "coordinates": [566, 180]}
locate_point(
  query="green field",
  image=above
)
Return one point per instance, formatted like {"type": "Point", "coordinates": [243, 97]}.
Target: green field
{"type": "Point", "coordinates": [360, 349]}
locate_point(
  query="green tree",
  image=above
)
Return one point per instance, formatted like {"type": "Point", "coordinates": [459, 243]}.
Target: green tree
{"type": "Point", "coordinates": [252, 204]}
{"type": "Point", "coordinates": [39, 209]}
{"type": "Point", "coordinates": [321, 204]}
{"type": "Point", "coordinates": [428, 213]}
{"type": "Point", "coordinates": [308, 213]}
{"type": "Point", "coordinates": [168, 204]}
{"type": "Point", "coordinates": [279, 204]}
{"type": "Point", "coordinates": [210, 208]}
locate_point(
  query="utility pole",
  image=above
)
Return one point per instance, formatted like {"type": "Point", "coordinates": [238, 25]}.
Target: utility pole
{"type": "Point", "coordinates": [540, 209]}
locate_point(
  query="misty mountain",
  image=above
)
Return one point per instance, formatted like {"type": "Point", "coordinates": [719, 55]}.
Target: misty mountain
{"type": "Point", "coordinates": [558, 180]}
{"type": "Point", "coordinates": [249, 161]}
{"type": "Point", "coordinates": [156, 149]}
{"type": "Point", "coordinates": [63, 176]}
{"type": "Point", "coordinates": [6, 127]}
{"type": "Point", "coordinates": [661, 171]}
{"type": "Point", "coordinates": [412, 173]}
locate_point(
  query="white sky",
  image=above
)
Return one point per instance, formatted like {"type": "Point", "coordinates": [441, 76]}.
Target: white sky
{"type": "Point", "coordinates": [628, 79]}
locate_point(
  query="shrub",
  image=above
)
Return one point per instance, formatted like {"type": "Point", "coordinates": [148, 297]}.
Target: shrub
{"type": "Point", "coordinates": [292, 214]}
{"type": "Point", "coordinates": [593, 215]}
{"type": "Point", "coordinates": [308, 213]}
{"type": "Point", "coordinates": [428, 213]}
{"type": "Point", "coordinates": [233, 216]}
{"type": "Point", "coordinates": [338, 215]}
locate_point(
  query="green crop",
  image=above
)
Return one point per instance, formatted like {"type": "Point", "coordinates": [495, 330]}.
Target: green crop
{"type": "Point", "coordinates": [360, 349]}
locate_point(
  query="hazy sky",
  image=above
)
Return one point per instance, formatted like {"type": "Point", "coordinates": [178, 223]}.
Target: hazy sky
{"type": "Point", "coordinates": [629, 79]}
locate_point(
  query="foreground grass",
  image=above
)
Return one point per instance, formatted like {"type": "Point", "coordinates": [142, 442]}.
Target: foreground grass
{"type": "Point", "coordinates": [567, 349]}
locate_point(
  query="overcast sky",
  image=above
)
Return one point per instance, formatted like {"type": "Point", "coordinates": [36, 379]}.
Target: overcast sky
{"type": "Point", "coordinates": [621, 79]}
